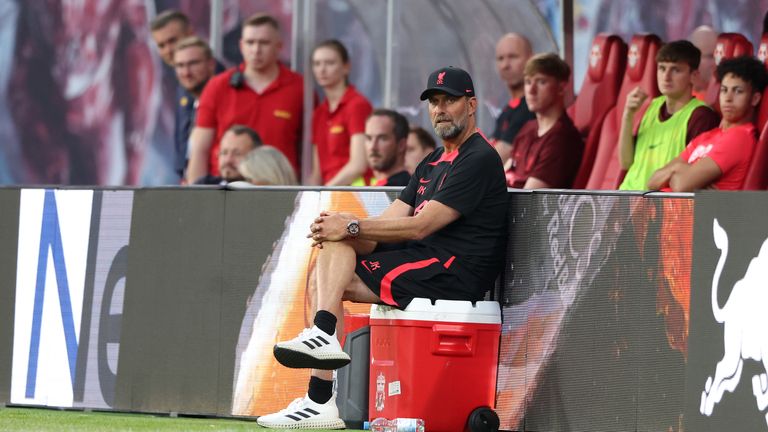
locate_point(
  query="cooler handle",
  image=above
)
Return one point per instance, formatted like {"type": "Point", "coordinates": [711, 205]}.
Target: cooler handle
{"type": "Point", "coordinates": [453, 340]}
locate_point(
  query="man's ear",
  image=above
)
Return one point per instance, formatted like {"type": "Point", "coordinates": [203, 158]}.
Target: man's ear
{"type": "Point", "coordinates": [472, 105]}
{"type": "Point", "coordinates": [756, 98]}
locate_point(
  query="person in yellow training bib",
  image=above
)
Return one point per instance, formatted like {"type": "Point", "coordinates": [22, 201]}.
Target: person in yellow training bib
{"type": "Point", "coordinates": [671, 121]}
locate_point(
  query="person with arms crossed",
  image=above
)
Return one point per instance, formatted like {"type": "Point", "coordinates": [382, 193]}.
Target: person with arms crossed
{"type": "Point", "coordinates": [720, 158]}
{"type": "Point", "coordinates": [386, 136]}
{"type": "Point", "coordinates": [260, 93]}
{"type": "Point", "coordinates": [547, 151]}
{"type": "Point", "coordinates": [338, 123]}
{"type": "Point", "coordinates": [419, 145]}
{"type": "Point", "coordinates": [452, 215]}
{"type": "Point", "coordinates": [512, 53]}
{"type": "Point", "coordinates": [671, 121]}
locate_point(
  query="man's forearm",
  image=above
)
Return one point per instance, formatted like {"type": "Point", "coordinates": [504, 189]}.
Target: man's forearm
{"type": "Point", "coordinates": [392, 230]}
{"type": "Point", "coordinates": [626, 141]}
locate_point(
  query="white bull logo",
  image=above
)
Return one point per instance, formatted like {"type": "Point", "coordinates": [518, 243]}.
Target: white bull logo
{"type": "Point", "coordinates": [745, 323]}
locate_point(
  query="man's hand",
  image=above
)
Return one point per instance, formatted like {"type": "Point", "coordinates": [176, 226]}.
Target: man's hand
{"type": "Point", "coordinates": [329, 226]}
{"type": "Point", "coordinates": [635, 100]}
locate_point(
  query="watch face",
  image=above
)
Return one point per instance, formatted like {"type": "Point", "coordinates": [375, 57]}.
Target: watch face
{"type": "Point", "coordinates": [353, 228]}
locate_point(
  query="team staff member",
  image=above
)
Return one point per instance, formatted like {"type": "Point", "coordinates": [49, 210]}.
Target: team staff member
{"type": "Point", "coordinates": [420, 144]}
{"type": "Point", "coordinates": [260, 93]}
{"type": "Point", "coordinates": [386, 136]}
{"type": "Point", "coordinates": [720, 158]}
{"type": "Point", "coordinates": [453, 213]}
{"type": "Point", "coordinates": [512, 53]}
{"type": "Point", "coordinates": [339, 122]}
{"type": "Point", "coordinates": [547, 151]}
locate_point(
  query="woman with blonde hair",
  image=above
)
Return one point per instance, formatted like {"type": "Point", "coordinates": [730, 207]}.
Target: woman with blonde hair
{"type": "Point", "coordinates": [267, 166]}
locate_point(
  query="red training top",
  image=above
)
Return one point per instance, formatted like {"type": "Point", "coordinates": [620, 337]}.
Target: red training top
{"type": "Point", "coordinates": [730, 149]}
{"type": "Point", "coordinates": [275, 113]}
{"type": "Point", "coordinates": [332, 131]}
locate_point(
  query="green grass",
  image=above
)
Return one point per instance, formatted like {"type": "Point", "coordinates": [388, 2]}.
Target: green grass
{"type": "Point", "coordinates": [34, 419]}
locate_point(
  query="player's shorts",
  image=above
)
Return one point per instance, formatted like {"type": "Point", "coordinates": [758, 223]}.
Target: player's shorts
{"type": "Point", "coordinates": [413, 271]}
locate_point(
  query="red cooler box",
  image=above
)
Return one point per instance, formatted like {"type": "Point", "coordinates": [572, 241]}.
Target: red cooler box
{"type": "Point", "coordinates": [434, 362]}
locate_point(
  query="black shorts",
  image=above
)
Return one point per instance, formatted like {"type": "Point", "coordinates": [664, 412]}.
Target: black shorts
{"type": "Point", "coordinates": [398, 276]}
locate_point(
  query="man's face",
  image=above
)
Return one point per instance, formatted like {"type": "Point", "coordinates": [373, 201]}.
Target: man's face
{"type": "Point", "coordinates": [166, 37]}
{"type": "Point", "coordinates": [542, 92]}
{"type": "Point", "coordinates": [511, 55]}
{"type": "Point", "coordinates": [737, 100]}
{"type": "Point", "coordinates": [193, 68]}
{"type": "Point", "coordinates": [414, 152]}
{"type": "Point", "coordinates": [674, 78]}
{"type": "Point", "coordinates": [232, 151]}
{"type": "Point", "coordinates": [449, 114]}
{"type": "Point", "coordinates": [260, 47]}
{"type": "Point", "coordinates": [381, 147]}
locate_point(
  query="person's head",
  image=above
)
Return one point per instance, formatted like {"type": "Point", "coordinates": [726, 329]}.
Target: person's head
{"type": "Point", "coordinates": [237, 141]}
{"type": "Point", "coordinates": [512, 52]}
{"type": "Point", "coordinates": [260, 42]}
{"type": "Point", "coordinates": [546, 79]}
{"type": "Point", "coordinates": [452, 102]}
{"type": "Point", "coordinates": [705, 39]}
{"type": "Point", "coordinates": [330, 63]}
{"type": "Point", "coordinates": [419, 144]}
{"type": "Point", "coordinates": [677, 65]}
{"type": "Point", "coordinates": [168, 28]}
{"type": "Point", "coordinates": [194, 63]}
{"type": "Point", "coordinates": [386, 133]}
{"type": "Point", "coordinates": [267, 166]}
{"type": "Point", "coordinates": [742, 81]}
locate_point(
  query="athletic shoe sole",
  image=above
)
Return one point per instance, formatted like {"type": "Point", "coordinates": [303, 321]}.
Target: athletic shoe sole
{"type": "Point", "coordinates": [299, 360]}
{"type": "Point", "coordinates": [306, 424]}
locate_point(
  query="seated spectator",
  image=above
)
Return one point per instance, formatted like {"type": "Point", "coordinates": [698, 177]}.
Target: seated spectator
{"type": "Point", "coordinates": [237, 141]}
{"type": "Point", "coordinates": [705, 39]}
{"type": "Point", "coordinates": [720, 158]}
{"type": "Point", "coordinates": [671, 121]}
{"type": "Point", "coordinates": [338, 122]}
{"type": "Point", "coordinates": [386, 134]}
{"type": "Point", "coordinates": [547, 151]}
{"type": "Point", "coordinates": [419, 144]}
{"type": "Point", "coordinates": [267, 166]}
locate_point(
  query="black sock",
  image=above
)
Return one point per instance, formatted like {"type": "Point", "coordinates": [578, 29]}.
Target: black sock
{"type": "Point", "coordinates": [325, 321]}
{"type": "Point", "coordinates": [320, 390]}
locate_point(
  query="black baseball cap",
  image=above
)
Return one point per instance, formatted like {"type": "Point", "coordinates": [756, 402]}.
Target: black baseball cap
{"type": "Point", "coordinates": [451, 80]}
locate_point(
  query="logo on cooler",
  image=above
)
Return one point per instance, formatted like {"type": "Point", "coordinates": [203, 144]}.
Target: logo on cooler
{"type": "Point", "coordinates": [744, 323]}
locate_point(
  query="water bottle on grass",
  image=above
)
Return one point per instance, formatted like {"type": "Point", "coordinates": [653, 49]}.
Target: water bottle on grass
{"type": "Point", "coordinates": [397, 425]}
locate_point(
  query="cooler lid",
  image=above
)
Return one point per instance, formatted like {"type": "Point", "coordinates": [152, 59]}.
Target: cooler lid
{"type": "Point", "coordinates": [421, 309]}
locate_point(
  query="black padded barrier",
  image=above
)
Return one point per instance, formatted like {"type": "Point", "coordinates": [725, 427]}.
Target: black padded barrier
{"type": "Point", "coordinates": [9, 227]}
{"type": "Point", "coordinates": [169, 359]}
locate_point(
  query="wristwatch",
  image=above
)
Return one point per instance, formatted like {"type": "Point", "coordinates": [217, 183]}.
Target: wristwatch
{"type": "Point", "coordinates": [353, 228]}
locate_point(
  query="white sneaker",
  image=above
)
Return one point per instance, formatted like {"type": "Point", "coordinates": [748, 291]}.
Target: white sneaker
{"type": "Point", "coordinates": [303, 413]}
{"type": "Point", "coordinates": [312, 349]}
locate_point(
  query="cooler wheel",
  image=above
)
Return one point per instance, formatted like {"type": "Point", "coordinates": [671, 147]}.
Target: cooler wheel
{"type": "Point", "coordinates": [483, 419]}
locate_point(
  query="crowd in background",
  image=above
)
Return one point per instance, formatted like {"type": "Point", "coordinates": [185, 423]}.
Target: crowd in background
{"type": "Point", "coordinates": [245, 123]}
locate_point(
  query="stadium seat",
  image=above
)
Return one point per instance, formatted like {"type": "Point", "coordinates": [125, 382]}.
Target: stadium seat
{"type": "Point", "coordinates": [728, 45]}
{"type": "Point", "coordinates": [598, 93]}
{"type": "Point", "coordinates": [641, 72]}
{"type": "Point", "coordinates": [757, 176]}
{"type": "Point", "coordinates": [762, 55]}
